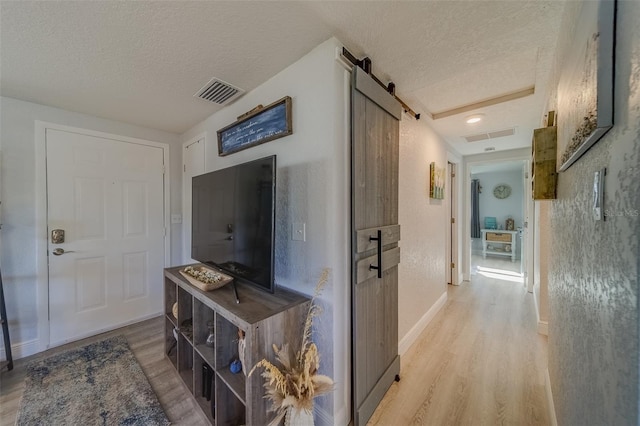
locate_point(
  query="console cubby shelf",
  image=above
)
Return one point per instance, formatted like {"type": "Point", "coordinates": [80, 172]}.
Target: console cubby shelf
{"type": "Point", "coordinates": [264, 319]}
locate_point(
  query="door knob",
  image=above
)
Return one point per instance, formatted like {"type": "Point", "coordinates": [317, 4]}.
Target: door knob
{"type": "Point", "coordinates": [60, 251]}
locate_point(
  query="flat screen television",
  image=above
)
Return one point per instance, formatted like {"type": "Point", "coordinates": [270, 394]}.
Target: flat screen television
{"type": "Point", "coordinates": [233, 221]}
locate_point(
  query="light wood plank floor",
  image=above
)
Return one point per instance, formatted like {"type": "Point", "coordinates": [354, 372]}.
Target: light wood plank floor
{"type": "Point", "coordinates": [146, 340]}
{"type": "Point", "coordinates": [479, 362]}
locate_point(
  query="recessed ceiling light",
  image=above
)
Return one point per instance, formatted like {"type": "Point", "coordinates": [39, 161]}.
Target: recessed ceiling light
{"type": "Point", "coordinates": [475, 118]}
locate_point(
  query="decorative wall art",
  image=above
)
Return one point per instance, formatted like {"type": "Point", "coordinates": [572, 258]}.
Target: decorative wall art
{"type": "Point", "coordinates": [436, 185]}
{"type": "Point", "coordinates": [585, 88]}
{"type": "Point", "coordinates": [260, 125]}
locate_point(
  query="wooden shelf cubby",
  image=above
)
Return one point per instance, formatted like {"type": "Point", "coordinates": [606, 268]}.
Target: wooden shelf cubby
{"type": "Point", "coordinates": [264, 319]}
{"type": "Point", "coordinates": [170, 344]}
{"type": "Point", "coordinates": [199, 387]}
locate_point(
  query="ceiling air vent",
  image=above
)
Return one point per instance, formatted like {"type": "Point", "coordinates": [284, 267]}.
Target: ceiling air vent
{"type": "Point", "coordinates": [476, 138]}
{"type": "Point", "coordinates": [219, 92]}
{"type": "Point", "coordinates": [491, 135]}
{"type": "Point", "coordinates": [502, 133]}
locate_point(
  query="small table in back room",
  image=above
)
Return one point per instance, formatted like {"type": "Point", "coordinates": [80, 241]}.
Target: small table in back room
{"type": "Point", "coordinates": [503, 243]}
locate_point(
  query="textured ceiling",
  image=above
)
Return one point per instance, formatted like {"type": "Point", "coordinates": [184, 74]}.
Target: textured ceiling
{"type": "Point", "coordinates": [141, 62]}
{"type": "Point", "coordinates": [503, 166]}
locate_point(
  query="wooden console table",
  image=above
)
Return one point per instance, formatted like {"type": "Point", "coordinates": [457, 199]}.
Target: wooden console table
{"type": "Point", "coordinates": [503, 243]}
{"type": "Point", "coordinates": [264, 318]}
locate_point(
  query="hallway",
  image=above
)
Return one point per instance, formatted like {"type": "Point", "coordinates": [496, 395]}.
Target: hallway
{"type": "Point", "coordinates": [479, 362]}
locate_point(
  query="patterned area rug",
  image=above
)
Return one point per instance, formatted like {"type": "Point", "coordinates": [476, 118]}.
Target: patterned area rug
{"type": "Point", "coordinates": [98, 384]}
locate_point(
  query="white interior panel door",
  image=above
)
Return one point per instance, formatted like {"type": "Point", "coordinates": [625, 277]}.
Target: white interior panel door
{"type": "Point", "coordinates": [108, 198]}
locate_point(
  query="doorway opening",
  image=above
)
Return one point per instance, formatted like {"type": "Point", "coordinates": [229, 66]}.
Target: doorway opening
{"type": "Point", "coordinates": [499, 220]}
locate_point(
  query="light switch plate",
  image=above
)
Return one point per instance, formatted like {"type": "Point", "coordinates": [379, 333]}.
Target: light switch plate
{"type": "Point", "coordinates": [598, 194]}
{"type": "Point", "coordinates": [176, 218]}
{"type": "Point", "coordinates": [298, 231]}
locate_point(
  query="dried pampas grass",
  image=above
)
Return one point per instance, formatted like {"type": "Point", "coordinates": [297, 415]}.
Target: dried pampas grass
{"type": "Point", "coordinates": [297, 382]}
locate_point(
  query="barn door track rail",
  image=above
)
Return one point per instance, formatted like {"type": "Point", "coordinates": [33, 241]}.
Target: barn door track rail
{"type": "Point", "coordinates": [366, 64]}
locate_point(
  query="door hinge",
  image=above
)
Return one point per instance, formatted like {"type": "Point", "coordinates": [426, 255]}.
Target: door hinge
{"type": "Point", "coordinates": [453, 175]}
{"type": "Point", "coordinates": [453, 265]}
{"type": "Point", "coordinates": [453, 220]}
{"type": "Point", "coordinates": [184, 167]}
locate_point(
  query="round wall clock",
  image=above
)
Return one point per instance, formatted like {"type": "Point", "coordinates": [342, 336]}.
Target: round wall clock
{"type": "Point", "coordinates": [502, 191]}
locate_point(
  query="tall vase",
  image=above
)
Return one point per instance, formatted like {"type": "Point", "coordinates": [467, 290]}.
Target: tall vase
{"type": "Point", "coordinates": [296, 417]}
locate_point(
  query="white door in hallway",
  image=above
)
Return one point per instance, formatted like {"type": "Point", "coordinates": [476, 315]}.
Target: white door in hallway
{"type": "Point", "coordinates": [108, 198]}
{"type": "Point", "coordinates": [193, 155]}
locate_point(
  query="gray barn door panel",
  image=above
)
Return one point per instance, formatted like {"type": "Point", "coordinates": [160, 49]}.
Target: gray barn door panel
{"type": "Point", "coordinates": [375, 236]}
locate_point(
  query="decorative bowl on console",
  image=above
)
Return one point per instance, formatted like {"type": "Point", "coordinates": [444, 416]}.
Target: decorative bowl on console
{"type": "Point", "coordinates": [204, 278]}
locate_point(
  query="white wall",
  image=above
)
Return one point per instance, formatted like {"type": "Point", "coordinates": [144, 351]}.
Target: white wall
{"type": "Point", "coordinates": [542, 256]}
{"type": "Point", "coordinates": [312, 187]}
{"type": "Point", "coordinates": [594, 266]}
{"type": "Point", "coordinates": [423, 221]}
{"type": "Point", "coordinates": [18, 257]}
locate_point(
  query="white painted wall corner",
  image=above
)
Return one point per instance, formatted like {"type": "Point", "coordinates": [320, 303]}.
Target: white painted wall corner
{"type": "Point", "coordinates": [322, 417]}
{"type": "Point", "coordinates": [343, 416]}
{"type": "Point", "coordinates": [552, 409]}
{"type": "Point", "coordinates": [413, 334]}
{"type": "Point", "coordinates": [542, 326]}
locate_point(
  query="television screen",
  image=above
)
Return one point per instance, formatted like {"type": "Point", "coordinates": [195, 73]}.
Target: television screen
{"type": "Point", "coordinates": [233, 221]}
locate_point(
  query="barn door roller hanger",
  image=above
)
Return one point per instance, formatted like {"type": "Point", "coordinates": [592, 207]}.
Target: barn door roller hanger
{"type": "Point", "coordinates": [365, 64]}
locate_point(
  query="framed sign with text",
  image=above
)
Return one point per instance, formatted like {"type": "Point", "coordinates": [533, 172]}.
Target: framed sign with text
{"type": "Point", "coordinates": [263, 124]}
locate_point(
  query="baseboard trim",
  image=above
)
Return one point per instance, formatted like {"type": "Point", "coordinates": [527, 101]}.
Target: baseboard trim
{"type": "Point", "coordinates": [105, 329]}
{"type": "Point", "coordinates": [322, 417]}
{"type": "Point", "coordinates": [543, 328]}
{"type": "Point", "coordinates": [32, 347]}
{"type": "Point", "coordinates": [550, 404]}
{"type": "Point", "coordinates": [343, 416]}
{"type": "Point", "coordinates": [413, 334]}
{"type": "Point", "coordinates": [22, 349]}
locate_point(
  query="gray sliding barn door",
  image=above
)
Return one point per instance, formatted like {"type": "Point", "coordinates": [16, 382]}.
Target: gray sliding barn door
{"type": "Point", "coordinates": [375, 116]}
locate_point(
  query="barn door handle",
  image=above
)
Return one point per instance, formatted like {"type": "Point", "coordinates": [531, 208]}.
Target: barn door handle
{"type": "Point", "coordinates": [60, 251]}
{"type": "Point", "coordinates": [379, 240]}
